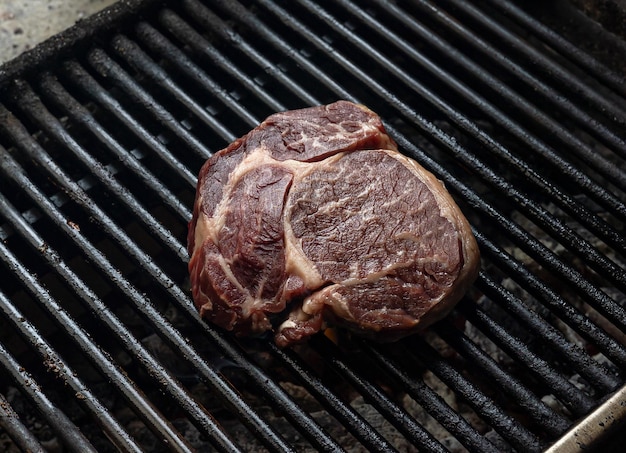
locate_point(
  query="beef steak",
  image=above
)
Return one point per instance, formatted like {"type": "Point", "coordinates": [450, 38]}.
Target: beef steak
{"type": "Point", "coordinates": [315, 217]}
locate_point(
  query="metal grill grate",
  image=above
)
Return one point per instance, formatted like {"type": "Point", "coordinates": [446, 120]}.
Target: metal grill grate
{"type": "Point", "coordinates": [100, 142]}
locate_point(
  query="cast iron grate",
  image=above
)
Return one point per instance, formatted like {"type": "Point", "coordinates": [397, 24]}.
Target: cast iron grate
{"type": "Point", "coordinates": [100, 143]}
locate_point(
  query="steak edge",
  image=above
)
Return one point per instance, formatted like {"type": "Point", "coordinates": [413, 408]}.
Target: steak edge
{"type": "Point", "coordinates": [314, 217]}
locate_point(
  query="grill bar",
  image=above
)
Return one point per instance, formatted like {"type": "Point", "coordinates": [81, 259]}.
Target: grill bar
{"type": "Point", "coordinates": [20, 136]}
{"type": "Point", "coordinates": [82, 392]}
{"type": "Point", "coordinates": [564, 47]}
{"type": "Point", "coordinates": [584, 364]}
{"type": "Point", "coordinates": [10, 422]}
{"type": "Point", "coordinates": [564, 78]}
{"type": "Point", "coordinates": [505, 188]}
{"type": "Point", "coordinates": [127, 388]}
{"type": "Point", "coordinates": [81, 78]}
{"type": "Point", "coordinates": [124, 48]}
{"type": "Point", "coordinates": [203, 420]}
{"type": "Point", "coordinates": [184, 32]}
{"type": "Point", "coordinates": [201, 13]}
{"type": "Point", "coordinates": [552, 421]}
{"type": "Point", "coordinates": [575, 399]}
{"type": "Point", "coordinates": [565, 106]}
{"type": "Point", "coordinates": [358, 426]}
{"type": "Point", "coordinates": [538, 117]}
{"type": "Point", "coordinates": [208, 19]}
{"type": "Point", "coordinates": [435, 405]}
{"type": "Point", "coordinates": [108, 68]}
{"type": "Point", "coordinates": [400, 419]}
{"type": "Point", "coordinates": [35, 110]}
{"type": "Point", "coordinates": [55, 92]}
{"type": "Point", "coordinates": [576, 320]}
{"type": "Point", "coordinates": [308, 427]}
{"type": "Point", "coordinates": [159, 44]}
{"type": "Point", "coordinates": [305, 424]}
{"type": "Point", "coordinates": [140, 111]}
{"type": "Point", "coordinates": [517, 435]}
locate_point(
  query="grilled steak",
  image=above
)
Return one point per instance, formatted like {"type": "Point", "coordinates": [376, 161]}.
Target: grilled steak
{"type": "Point", "coordinates": [315, 217]}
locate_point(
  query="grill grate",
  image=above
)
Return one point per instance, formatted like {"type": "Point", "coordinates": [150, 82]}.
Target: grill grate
{"type": "Point", "coordinates": [99, 152]}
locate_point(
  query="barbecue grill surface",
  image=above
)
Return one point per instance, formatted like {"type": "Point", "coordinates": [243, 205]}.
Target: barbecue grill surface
{"type": "Point", "coordinates": [104, 128]}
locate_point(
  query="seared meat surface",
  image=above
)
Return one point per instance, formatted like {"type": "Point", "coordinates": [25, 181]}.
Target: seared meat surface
{"type": "Point", "coordinates": [315, 217]}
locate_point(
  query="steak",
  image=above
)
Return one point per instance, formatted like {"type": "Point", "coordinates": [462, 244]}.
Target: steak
{"type": "Point", "coordinates": [315, 218]}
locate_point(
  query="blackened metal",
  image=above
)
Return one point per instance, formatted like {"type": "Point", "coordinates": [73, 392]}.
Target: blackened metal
{"type": "Point", "coordinates": [79, 77]}
{"type": "Point", "coordinates": [138, 59]}
{"type": "Point", "coordinates": [16, 130]}
{"type": "Point", "coordinates": [54, 416]}
{"type": "Point", "coordinates": [395, 414]}
{"type": "Point", "coordinates": [435, 406]}
{"type": "Point", "coordinates": [517, 435]}
{"type": "Point", "coordinates": [590, 366]}
{"type": "Point", "coordinates": [564, 78]}
{"type": "Point", "coordinates": [308, 426]}
{"type": "Point", "coordinates": [159, 44]}
{"type": "Point", "coordinates": [54, 91]}
{"type": "Point", "coordinates": [563, 46]}
{"type": "Point", "coordinates": [172, 22]}
{"type": "Point", "coordinates": [585, 365]}
{"type": "Point", "coordinates": [590, 292]}
{"type": "Point", "coordinates": [197, 10]}
{"type": "Point", "coordinates": [359, 427]}
{"type": "Point", "coordinates": [279, 398]}
{"type": "Point", "coordinates": [575, 399]}
{"type": "Point", "coordinates": [548, 418]}
{"type": "Point", "coordinates": [211, 21]}
{"type": "Point", "coordinates": [565, 106]}
{"type": "Point", "coordinates": [135, 397]}
{"type": "Point", "coordinates": [10, 422]}
{"type": "Point", "coordinates": [32, 106]}
{"type": "Point", "coordinates": [597, 298]}
{"type": "Point", "coordinates": [109, 69]}
{"type": "Point", "coordinates": [539, 118]}
{"type": "Point", "coordinates": [203, 420]}
{"type": "Point", "coordinates": [75, 39]}
{"type": "Point", "coordinates": [547, 220]}
{"type": "Point", "coordinates": [82, 392]}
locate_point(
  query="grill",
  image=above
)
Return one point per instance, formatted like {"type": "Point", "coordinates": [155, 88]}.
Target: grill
{"type": "Point", "coordinates": [104, 127]}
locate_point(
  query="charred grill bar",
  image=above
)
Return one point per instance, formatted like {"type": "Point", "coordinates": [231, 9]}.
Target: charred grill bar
{"type": "Point", "coordinates": [103, 130]}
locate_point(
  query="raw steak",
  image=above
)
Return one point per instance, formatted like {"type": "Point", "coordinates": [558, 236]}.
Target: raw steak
{"type": "Point", "coordinates": [314, 217]}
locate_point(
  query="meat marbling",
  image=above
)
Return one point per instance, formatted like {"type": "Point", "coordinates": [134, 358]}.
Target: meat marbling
{"type": "Point", "coordinates": [314, 217]}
